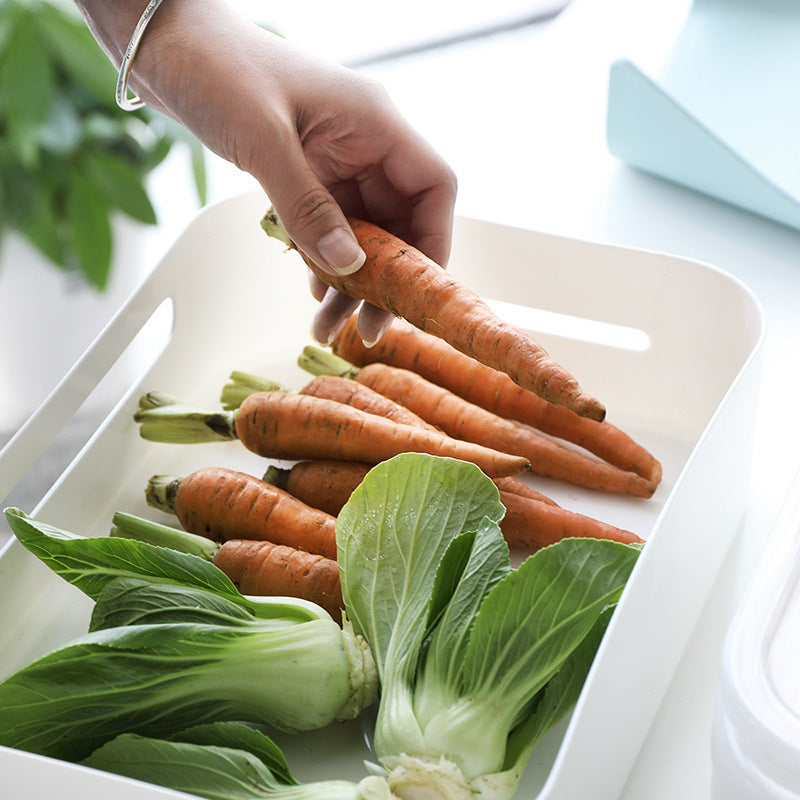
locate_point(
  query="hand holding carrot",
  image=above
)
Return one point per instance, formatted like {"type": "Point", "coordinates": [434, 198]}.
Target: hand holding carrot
{"type": "Point", "coordinates": [323, 141]}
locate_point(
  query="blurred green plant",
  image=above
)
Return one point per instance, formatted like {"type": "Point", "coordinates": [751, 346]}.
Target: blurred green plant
{"type": "Point", "coordinates": [70, 159]}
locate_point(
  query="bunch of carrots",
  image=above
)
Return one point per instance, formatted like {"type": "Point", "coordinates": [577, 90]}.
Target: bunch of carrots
{"type": "Point", "coordinates": [451, 392]}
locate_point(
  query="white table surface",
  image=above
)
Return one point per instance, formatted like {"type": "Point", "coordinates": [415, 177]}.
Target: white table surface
{"type": "Point", "coordinates": [520, 116]}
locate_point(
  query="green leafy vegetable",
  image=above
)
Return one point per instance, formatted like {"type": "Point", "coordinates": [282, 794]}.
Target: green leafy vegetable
{"type": "Point", "coordinates": [476, 660]}
{"type": "Point", "coordinates": [91, 563]}
{"type": "Point", "coordinates": [224, 761]}
{"type": "Point", "coordinates": [174, 644]}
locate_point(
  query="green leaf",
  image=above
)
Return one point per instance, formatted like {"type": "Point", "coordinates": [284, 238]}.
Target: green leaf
{"type": "Point", "coordinates": [527, 628]}
{"type": "Point", "coordinates": [40, 224]}
{"type": "Point", "coordinates": [198, 156]}
{"type": "Point", "coordinates": [241, 737]}
{"type": "Point", "coordinates": [557, 698]}
{"type": "Point", "coordinates": [485, 564]}
{"type": "Point", "coordinates": [65, 35]}
{"type": "Point", "coordinates": [159, 679]}
{"type": "Point", "coordinates": [121, 185]}
{"type": "Point", "coordinates": [135, 601]}
{"type": "Point", "coordinates": [230, 762]}
{"type": "Point", "coordinates": [392, 533]}
{"type": "Point", "coordinates": [27, 80]}
{"type": "Point", "coordinates": [90, 564]}
{"type": "Point", "coordinates": [536, 616]}
{"type": "Point", "coordinates": [89, 229]}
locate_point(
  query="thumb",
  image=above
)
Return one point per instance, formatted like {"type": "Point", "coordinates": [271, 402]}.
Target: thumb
{"type": "Point", "coordinates": [312, 218]}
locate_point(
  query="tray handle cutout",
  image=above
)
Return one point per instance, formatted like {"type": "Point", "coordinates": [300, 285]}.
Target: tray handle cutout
{"type": "Point", "coordinates": [567, 326]}
{"type": "Point", "coordinates": [119, 357]}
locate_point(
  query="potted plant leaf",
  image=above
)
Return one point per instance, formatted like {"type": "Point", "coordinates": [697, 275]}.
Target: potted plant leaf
{"type": "Point", "coordinates": [69, 158]}
{"type": "Point", "coordinates": [74, 168]}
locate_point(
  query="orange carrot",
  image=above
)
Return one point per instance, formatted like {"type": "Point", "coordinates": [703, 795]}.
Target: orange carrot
{"type": "Point", "coordinates": [264, 568]}
{"type": "Point", "coordinates": [513, 486]}
{"type": "Point", "coordinates": [281, 425]}
{"type": "Point", "coordinates": [531, 524]}
{"type": "Point", "coordinates": [465, 421]}
{"type": "Point", "coordinates": [402, 280]}
{"type": "Point", "coordinates": [223, 504]}
{"type": "Point", "coordinates": [327, 485]}
{"type": "Point", "coordinates": [359, 395]}
{"type": "Point", "coordinates": [405, 347]}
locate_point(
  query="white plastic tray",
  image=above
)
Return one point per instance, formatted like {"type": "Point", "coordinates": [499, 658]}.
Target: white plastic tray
{"type": "Point", "coordinates": [671, 346]}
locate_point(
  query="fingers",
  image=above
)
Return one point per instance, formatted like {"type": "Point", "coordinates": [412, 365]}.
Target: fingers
{"type": "Point", "coordinates": [312, 218]}
{"type": "Point", "coordinates": [334, 310]}
{"type": "Point", "coordinates": [372, 323]}
{"type": "Point", "coordinates": [316, 286]}
{"type": "Point", "coordinates": [421, 175]}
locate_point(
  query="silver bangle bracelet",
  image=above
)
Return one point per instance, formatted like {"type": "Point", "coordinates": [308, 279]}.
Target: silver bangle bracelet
{"type": "Point", "coordinates": [123, 101]}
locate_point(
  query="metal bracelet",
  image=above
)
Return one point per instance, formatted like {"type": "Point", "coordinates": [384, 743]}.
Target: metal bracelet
{"type": "Point", "coordinates": [123, 101]}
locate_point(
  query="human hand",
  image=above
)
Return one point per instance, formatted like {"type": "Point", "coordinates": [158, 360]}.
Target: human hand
{"type": "Point", "coordinates": [323, 141]}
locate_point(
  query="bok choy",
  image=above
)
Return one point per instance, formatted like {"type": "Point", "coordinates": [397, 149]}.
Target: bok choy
{"type": "Point", "coordinates": [222, 761]}
{"type": "Point", "coordinates": [476, 660]}
{"type": "Point", "coordinates": [212, 654]}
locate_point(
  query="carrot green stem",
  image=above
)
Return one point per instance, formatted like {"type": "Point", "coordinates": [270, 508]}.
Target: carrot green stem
{"type": "Point", "coordinates": [243, 384]}
{"type": "Point", "coordinates": [273, 227]}
{"type": "Point", "coordinates": [161, 491]}
{"type": "Point", "coordinates": [161, 418]}
{"type": "Point", "coordinates": [276, 476]}
{"type": "Point", "coordinates": [128, 526]}
{"type": "Point", "coordinates": [322, 362]}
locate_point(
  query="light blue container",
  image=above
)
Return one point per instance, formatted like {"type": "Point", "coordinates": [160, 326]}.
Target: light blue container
{"type": "Point", "coordinates": [723, 114]}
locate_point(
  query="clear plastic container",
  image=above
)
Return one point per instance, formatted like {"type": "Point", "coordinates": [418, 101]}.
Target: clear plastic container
{"type": "Point", "coordinates": [756, 733]}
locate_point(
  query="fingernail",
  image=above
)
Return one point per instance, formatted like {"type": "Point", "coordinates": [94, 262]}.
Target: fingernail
{"type": "Point", "coordinates": [341, 252]}
{"type": "Point", "coordinates": [372, 342]}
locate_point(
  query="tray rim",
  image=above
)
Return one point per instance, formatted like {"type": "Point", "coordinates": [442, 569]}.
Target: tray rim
{"type": "Point", "coordinates": [745, 368]}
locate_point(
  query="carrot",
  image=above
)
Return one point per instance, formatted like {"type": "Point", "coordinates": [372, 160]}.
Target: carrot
{"type": "Point", "coordinates": [405, 347]}
{"type": "Point", "coordinates": [513, 486]}
{"type": "Point", "coordinates": [327, 485]}
{"type": "Point", "coordinates": [324, 483]}
{"type": "Point", "coordinates": [256, 567]}
{"type": "Point", "coordinates": [402, 280]}
{"type": "Point", "coordinates": [531, 524]}
{"type": "Point", "coordinates": [265, 568]}
{"type": "Point", "coordinates": [466, 421]}
{"type": "Point", "coordinates": [531, 521]}
{"type": "Point", "coordinates": [223, 504]}
{"type": "Point", "coordinates": [296, 427]}
{"type": "Point", "coordinates": [359, 395]}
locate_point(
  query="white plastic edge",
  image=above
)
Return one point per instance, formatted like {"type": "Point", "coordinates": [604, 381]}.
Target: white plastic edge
{"type": "Point", "coordinates": [39, 430]}
{"type": "Point", "coordinates": [756, 736]}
